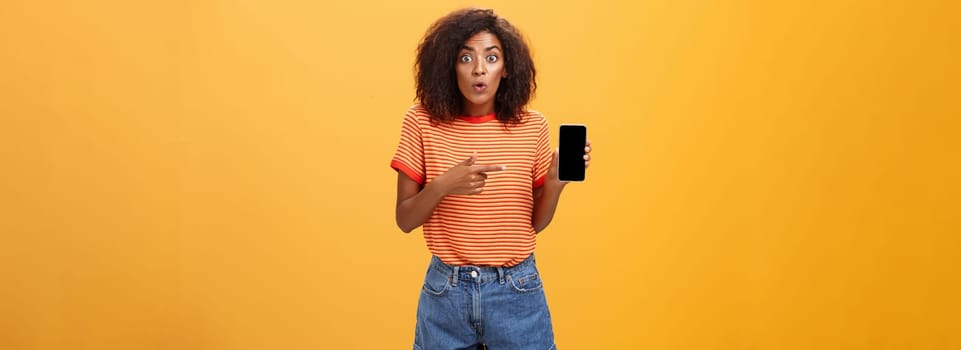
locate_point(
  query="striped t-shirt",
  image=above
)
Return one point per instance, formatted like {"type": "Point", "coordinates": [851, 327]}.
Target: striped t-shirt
{"type": "Point", "coordinates": [492, 228]}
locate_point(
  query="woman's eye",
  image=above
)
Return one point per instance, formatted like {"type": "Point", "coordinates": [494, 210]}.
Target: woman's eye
{"type": "Point", "coordinates": [492, 58]}
{"type": "Point", "coordinates": [466, 58]}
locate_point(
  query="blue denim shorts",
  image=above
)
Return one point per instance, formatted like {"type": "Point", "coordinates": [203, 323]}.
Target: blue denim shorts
{"type": "Point", "coordinates": [502, 307]}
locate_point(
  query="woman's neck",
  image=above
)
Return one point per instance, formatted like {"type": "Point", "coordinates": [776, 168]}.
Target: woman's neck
{"type": "Point", "coordinates": [472, 110]}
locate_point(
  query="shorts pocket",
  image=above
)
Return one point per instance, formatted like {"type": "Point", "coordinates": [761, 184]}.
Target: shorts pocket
{"type": "Point", "coordinates": [525, 283]}
{"type": "Point", "coordinates": [436, 282]}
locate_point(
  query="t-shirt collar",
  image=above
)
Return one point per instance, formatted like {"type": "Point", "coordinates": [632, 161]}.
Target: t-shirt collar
{"type": "Point", "coordinates": [479, 118]}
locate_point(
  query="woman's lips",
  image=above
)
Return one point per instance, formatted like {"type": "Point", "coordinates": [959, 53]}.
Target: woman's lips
{"type": "Point", "coordinates": [480, 87]}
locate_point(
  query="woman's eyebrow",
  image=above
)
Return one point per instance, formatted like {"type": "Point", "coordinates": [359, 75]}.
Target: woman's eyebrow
{"type": "Point", "coordinates": [471, 49]}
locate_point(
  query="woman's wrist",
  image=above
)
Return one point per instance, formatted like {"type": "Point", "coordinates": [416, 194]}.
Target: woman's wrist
{"type": "Point", "coordinates": [435, 188]}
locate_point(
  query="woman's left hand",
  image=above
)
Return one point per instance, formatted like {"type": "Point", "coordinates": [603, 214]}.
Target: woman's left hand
{"type": "Point", "coordinates": [552, 172]}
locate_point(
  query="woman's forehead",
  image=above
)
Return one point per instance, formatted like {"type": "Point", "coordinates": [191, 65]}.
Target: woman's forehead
{"type": "Point", "coordinates": [483, 40]}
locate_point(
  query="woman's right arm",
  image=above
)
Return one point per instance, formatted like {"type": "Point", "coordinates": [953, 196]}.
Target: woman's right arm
{"type": "Point", "coordinates": [416, 203]}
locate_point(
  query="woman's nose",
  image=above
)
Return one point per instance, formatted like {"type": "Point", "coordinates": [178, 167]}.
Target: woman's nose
{"type": "Point", "coordinates": [480, 68]}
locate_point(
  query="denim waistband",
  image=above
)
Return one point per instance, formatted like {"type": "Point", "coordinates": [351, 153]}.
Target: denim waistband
{"type": "Point", "coordinates": [480, 274]}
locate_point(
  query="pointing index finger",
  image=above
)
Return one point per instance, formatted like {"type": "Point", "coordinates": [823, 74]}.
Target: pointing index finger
{"type": "Point", "coordinates": [488, 168]}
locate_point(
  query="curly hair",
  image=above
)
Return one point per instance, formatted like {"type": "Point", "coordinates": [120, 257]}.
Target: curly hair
{"type": "Point", "coordinates": [436, 66]}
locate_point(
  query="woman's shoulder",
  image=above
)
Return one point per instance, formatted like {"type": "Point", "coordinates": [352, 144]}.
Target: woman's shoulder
{"type": "Point", "coordinates": [417, 108]}
{"type": "Point", "coordinates": [531, 116]}
{"type": "Point", "coordinates": [417, 112]}
{"type": "Point", "coordinates": [532, 113]}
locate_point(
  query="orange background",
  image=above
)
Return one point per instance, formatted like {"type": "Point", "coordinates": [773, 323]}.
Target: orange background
{"type": "Point", "coordinates": [214, 174]}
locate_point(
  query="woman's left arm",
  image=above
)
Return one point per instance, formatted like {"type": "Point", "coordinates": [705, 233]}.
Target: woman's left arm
{"type": "Point", "coordinates": [547, 196]}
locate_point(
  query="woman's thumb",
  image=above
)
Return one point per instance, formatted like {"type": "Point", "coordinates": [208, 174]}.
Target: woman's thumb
{"type": "Point", "coordinates": [470, 160]}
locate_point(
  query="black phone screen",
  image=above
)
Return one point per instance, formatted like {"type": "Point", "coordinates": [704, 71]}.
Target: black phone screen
{"type": "Point", "coordinates": [570, 162]}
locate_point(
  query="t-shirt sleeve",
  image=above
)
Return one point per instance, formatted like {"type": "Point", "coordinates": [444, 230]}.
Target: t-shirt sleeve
{"type": "Point", "coordinates": [542, 157]}
{"type": "Point", "coordinates": [409, 157]}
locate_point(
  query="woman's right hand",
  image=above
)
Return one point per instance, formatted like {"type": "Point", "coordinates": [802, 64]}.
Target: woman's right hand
{"type": "Point", "coordinates": [465, 178]}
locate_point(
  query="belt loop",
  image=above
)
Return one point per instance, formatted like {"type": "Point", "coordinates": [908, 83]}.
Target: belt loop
{"type": "Point", "coordinates": [455, 276]}
{"type": "Point", "coordinates": [500, 274]}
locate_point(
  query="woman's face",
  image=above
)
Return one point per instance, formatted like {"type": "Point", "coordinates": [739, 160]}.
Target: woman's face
{"type": "Point", "coordinates": [480, 67]}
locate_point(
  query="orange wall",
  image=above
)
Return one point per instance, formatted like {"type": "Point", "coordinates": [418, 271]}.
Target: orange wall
{"type": "Point", "coordinates": [214, 174]}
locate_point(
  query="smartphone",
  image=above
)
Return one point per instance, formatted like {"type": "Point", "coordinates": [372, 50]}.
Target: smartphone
{"type": "Point", "coordinates": [570, 162]}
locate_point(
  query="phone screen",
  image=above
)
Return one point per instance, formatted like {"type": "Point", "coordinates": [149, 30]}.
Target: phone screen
{"type": "Point", "coordinates": [570, 162]}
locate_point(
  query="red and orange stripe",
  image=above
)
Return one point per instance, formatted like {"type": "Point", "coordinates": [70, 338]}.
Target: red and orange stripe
{"type": "Point", "coordinates": [492, 228]}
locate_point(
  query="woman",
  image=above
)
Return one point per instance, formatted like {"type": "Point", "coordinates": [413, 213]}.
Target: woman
{"type": "Point", "coordinates": [475, 168]}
